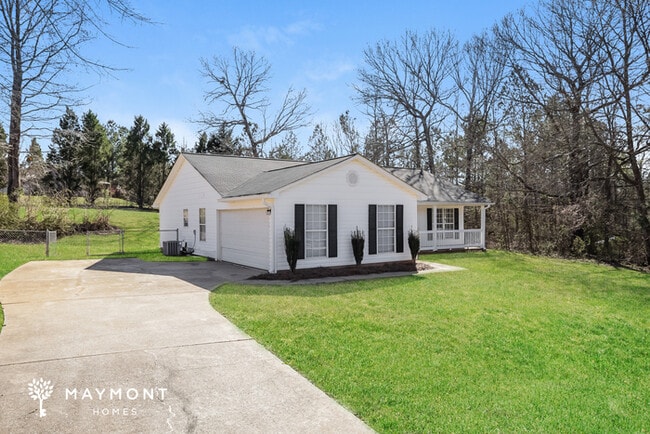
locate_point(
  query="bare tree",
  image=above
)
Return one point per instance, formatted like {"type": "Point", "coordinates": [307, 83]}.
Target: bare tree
{"type": "Point", "coordinates": [479, 77]}
{"type": "Point", "coordinates": [240, 84]}
{"type": "Point", "coordinates": [624, 37]}
{"type": "Point", "coordinates": [41, 41]}
{"type": "Point", "coordinates": [411, 76]}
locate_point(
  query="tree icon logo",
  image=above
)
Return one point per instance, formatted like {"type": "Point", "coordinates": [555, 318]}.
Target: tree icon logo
{"type": "Point", "coordinates": [41, 390]}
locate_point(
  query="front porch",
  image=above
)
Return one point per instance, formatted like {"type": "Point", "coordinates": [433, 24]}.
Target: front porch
{"type": "Point", "coordinates": [451, 227]}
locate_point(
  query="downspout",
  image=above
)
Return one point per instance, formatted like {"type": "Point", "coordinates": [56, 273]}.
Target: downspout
{"type": "Point", "coordinates": [269, 206]}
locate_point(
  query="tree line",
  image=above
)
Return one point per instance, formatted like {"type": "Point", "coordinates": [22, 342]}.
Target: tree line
{"type": "Point", "coordinates": [91, 160]}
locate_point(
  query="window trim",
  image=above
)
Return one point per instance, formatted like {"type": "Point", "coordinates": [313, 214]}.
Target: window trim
{"type": "Point", "coordinates": [324, 231]}
{"type": "Point", "coordinates": [202, 225]}
{"type": "Point", "coordinates": [381, 229]}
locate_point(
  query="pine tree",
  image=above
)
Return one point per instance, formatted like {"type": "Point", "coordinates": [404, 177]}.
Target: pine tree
{"type": "Point", "coordinates": [33, 169]}
{"type": "Point", "coordinates": [140, 159]}
{"type": "Point", "coordinates": [166, 152]}
{"type": "Point", "coordinates": [319, 147]}
{"type": "Point", "coordinates": [94, 151]}
{"type": "Point", "coordinates": [288, 149]}
{"type": "Point", "coordinates": [63, 174]}
{"type": "Point", "coordinates": [116, 135]}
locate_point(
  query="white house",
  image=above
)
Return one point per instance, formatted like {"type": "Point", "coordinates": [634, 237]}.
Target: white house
{"type": "Point", "coordinates": [235, 209]}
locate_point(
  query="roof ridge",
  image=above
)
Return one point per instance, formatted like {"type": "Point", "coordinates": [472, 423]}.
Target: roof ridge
{"type": "Point", "coordinates": [307, 163]}
{"type": "Point", "coordinates": [243, 157]}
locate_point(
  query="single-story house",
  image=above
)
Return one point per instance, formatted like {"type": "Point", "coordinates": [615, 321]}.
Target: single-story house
{"type": "Point", "coordinates": [235, 209]}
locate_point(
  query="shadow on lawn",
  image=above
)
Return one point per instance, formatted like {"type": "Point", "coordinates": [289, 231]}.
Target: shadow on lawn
{"type": "Point", "coordinates": [319, 289]}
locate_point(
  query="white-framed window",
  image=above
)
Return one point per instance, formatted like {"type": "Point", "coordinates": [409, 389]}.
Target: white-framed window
{"type": "Point", "coordinates": [202, 236]}
{"type": "Point", "coordinates": [186, 217]}
{"type": "Point", "coordinates": [385, 228]}
{"type": "Point", "coordinates": [446, 222]}
{"type": "Point", "coordinates": [315, 231]}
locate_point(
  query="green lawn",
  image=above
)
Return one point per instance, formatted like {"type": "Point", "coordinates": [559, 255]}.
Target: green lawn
{"type": "Point", "coordinates": [140, 241]}
{"type": "Point", "coordinates": [513, 344]}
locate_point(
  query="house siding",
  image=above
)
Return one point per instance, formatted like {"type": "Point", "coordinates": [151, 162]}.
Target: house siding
{"type": "Point", "coordinates": [332, 188]}
{"type": "Point", "coordinates": [190, 191]}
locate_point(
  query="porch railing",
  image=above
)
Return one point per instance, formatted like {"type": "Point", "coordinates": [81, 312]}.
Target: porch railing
{"type": "Point", "coordinates": [433, 240]}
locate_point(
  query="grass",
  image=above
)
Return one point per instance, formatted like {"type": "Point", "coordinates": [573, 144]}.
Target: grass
{"type": "Point", "coordinates": [140, 241]}
{"type": "Point", "coordinates": [513, 344]}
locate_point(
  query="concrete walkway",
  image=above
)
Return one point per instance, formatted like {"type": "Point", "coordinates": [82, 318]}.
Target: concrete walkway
{"type": "Point", "coordinates": [130, 346]}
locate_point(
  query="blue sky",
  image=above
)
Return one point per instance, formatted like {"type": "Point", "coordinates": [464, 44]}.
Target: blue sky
{"type": "Point", "coordinates": [313, 45]}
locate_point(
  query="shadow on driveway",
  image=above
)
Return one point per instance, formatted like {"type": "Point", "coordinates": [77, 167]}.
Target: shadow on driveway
{"type": "Point", "coordinates": [206, 275]}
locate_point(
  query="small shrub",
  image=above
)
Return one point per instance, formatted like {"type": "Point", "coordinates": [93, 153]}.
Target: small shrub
{"type": "Point", "coordinates": [358, 241]}
{"type": "Point", "coordinates": [578, 247]}
{"type": "Point", "coordinates": [414, 243]}
{"type": "Point", "coordinates": [99, 222]}
{"type": "Point", "coordinates": [291, 246]}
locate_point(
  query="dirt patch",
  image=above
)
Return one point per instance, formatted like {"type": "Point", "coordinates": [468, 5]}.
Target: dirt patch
{"type": "Point", "coordinates": [348, 270]}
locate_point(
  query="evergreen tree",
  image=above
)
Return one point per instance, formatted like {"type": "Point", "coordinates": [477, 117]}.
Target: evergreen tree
{"type": "Point", "coordinates": [116, 135]}
{"type": "Point", "coordinates": [166, 152]}
{"type": "Point", "coordinates": [33, 169]}
{"type": "Point", "coordinates": [139, 161]}
{"type": "Point", "coordinates": [63, 173]}
{"type": "Point", "coordinates": [221, 142]}
{"type": "Point", "coordinates": [94, 151]}
{"type": "Point", "coordinates": [319, 147]}
{"type": "Point", "coordinates": [288, 149]}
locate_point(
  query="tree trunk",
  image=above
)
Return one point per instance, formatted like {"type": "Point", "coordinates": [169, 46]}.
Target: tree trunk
{"type": "Point", "coordinates": [13, 175]}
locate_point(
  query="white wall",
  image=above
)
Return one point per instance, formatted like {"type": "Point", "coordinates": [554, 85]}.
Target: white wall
{"type": "Point", "coordinates": [190, 190]}
{"type": "Point", "coordinates": [331, 187]}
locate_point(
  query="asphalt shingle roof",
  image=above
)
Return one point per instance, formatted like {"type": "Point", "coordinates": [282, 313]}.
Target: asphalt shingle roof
{"type": "Point", "coordinates": [225, 172]}
{"type": "Point", "coordinates": [235, 176]}
{"type": "Point", "coordinates": [437, 190]}
{"type": "Point", "coordinates": [272, 180]}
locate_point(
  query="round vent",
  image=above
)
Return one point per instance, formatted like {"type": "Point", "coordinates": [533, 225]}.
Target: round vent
{"type": "Point", "coordinates": [352, 178]}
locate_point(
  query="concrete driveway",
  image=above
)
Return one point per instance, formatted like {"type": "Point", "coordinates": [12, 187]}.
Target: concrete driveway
{"type": "Point", "coordinates": [130, 346]}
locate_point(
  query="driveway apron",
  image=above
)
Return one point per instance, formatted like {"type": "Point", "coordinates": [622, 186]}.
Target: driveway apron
{"type": "Point", "coordinates": [122, 345]}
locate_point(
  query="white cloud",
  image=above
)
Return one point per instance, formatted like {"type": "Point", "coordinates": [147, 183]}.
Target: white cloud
{"type": "Point", "coordinates": [259, 38]}
{"type": "Point", "coordinates": [329, 70]}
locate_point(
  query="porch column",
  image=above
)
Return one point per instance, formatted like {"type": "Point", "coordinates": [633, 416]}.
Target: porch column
{"type": "Point", "coordinates": [461, 224]}
{"type": "Point", "coordinates": [434, 228]}
{"type": "Point", "coordinates": [483, 227]}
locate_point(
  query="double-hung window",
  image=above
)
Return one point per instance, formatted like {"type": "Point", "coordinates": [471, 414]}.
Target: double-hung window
{"type": "Point", "coordinates": [447, 222]}
{"type": "Point", "coordinates": [315, 231]}
{"type": "Point", "coordinates": [202, 236]}
{"type": "Point", "coordinates": [385, 228]}
{"type": "Point", "coordinates": [186, 217]}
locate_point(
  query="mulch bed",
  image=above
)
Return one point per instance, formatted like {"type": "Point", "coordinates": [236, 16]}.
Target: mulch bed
{"type": "Point", "coordinates": [348, 270]}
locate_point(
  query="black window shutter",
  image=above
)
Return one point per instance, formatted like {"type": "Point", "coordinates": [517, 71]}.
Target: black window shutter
{"type": "Point", "coordinates": [372, 229]}
{"type": "Point", "coordinates": [299, 227]}
{"type": "Point", "coordinates": [429, 219]}
{"type": "Point", "coordinates": [399, 228]}
{"type": "Point", "coordinates": [456, 226]}
{"type": "Point", "coordinates": [332, 228]}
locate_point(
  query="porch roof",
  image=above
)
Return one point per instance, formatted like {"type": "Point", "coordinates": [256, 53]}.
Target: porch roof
{"type": "Point", "coordinates": [437, 190]}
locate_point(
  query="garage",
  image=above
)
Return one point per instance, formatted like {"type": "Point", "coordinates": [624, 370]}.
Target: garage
{"type": "Point", "coordinates": [246, 239]}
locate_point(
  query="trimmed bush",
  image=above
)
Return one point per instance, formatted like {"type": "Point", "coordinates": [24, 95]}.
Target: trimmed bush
{"type": "Point", "coordinates": [291, 247]}
{"type": "Point", "coordinates": [414, 244]}
{"type": "Point", "coordinates": [358, 241]}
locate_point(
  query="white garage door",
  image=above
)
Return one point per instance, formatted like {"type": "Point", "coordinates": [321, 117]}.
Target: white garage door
{"type": "Point", "coordinates": [245, 237]}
